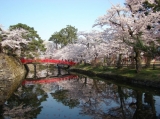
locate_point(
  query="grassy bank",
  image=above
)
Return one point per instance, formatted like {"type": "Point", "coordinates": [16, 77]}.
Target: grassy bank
{"type": "Point", "coordinates": [146, 74]}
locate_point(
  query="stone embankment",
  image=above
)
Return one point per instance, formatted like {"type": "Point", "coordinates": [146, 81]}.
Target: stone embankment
{"type": "Point", "coordinates": [120, 79]}
{"type": "Point", "coordinates": [12, 72]}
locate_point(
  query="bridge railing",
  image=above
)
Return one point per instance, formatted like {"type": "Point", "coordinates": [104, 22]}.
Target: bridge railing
{"type": "Point", "coordinates": [50, 61]}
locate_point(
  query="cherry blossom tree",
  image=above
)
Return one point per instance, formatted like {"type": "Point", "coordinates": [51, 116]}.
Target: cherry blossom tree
{"type": "Point", "coordinates": [71, 51]}
{"type": "Point", "coordinates": [88, 47]}
{"type": "Point", "coordinates": [35, 47]}
{"type": "Point", "coordinates": [149, 8]}
{"type": "Point", "coordinates": [50, 49]}
{"type": "Point", "coordinates": [131, 27]}
{"type": "Point", "coordinates": [91, 47]}
{"type": "Point", "coordinates": [12, 41]}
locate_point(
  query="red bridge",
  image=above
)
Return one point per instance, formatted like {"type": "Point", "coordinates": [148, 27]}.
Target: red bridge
{"type": "Point", "coordinates": [49, 61]}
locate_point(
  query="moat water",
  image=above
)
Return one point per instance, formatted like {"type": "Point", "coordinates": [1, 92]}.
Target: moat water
{"type": "Point", "coordinates": [75, 96]}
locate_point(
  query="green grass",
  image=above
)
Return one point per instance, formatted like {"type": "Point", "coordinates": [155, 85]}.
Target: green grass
{"type": "Point", "coordinates": [144, 74]}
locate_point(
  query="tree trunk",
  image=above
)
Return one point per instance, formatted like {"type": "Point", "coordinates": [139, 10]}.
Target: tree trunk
{"type": "Point", "coordinates": [148, 98]}
{"type": "Point", "coordinates": [148, 62]}
{"type": "Point", "coordinates": [94, 61]}
{"type": "Point", "coordinates": [0, 48]}
{"type": "Point", "coordinates": [139, 110]}
{"type": "Point", "coordinates": [121, 97]}
{"type": "Point", "coordinates": [119, 64]}
{"type": "Point", "coordinates": [132, 65]}
{"type": "Point", "coordinates": [138, 60]}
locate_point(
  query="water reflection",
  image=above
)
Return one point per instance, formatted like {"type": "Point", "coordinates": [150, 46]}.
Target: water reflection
{"type": "Point", "coordinates": [80, 97]}
{"type": "Point", "coordinates": [39, 71]}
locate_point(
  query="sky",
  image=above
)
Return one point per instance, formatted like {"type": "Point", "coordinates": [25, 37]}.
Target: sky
{"type": "Point", "coordinates": [49, 16]}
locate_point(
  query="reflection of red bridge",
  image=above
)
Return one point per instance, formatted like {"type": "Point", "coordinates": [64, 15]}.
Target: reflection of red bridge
{"type": "Point", "coordinates": [49, 61]}
{"type": "Point", "coordinates": [49, 80]}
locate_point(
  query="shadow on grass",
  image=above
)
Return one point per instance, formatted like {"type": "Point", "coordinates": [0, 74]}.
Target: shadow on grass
{"type": "Point", "coordinates": [145, 74]}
